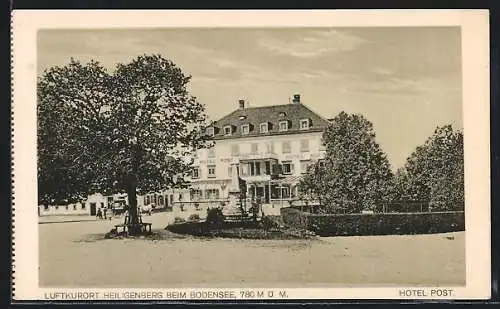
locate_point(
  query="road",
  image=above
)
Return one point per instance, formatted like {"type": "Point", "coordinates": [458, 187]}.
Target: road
{"type": "Point", "coordinates": [75, 254]}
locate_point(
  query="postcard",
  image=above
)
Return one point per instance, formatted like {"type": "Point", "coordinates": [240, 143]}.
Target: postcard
{"type": "Point", "coordinates": [250, 155]}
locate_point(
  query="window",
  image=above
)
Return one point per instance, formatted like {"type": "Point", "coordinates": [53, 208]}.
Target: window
{"type": "Point", "coordinates": [196, 195]}
{"type": "Point", "coordinates": [264, 128]}
{"type": "Point", "coordinates": [160, 200]}
{"type": "Point", "coordinates": [211, 171]}
{"type": "Point", "coordinates": [74, 206]}
{"type": "Point", "coordinates": [245, 129]}
{"type": "Point", "coordinates": [304, 124]}
{"type": "Point", "coordinates": [254, 148]}
{"type": "Point", "coordinates": [304, 145]}
{"type": "Point", "coordinates": [147, 200]}
{"type": "Point", "coordinates": [212, 194]}
{"type": "Point", "coordinates": [211, 152]}
{"type": "Point", "coordinates": [102, 205]}
{"type": "Point", "coordinates": [304, 165]}
{"type": "Point", "coordinates": [84, 206]}
{"type": "Point", "coordinates": [283, 126]}
{"type": "Point", "coordinates": [196, 172]}
{"type": "Point", "coordinates": [268, 168]}
{"type": "Point", "coordinates": [227, 130]}
{"type": "Point", "coordinates": [270, 147]}
{"type": "Point", "coordinates": [286, 147]}
{"type": "Point", "coordinates": [287, 167]}
{"type": "Point", "coordinates": [235, 149]}
{"type": "Point", "coordinates": [257, 168]}
{"type": "Point", "coordinates": [210, 131]}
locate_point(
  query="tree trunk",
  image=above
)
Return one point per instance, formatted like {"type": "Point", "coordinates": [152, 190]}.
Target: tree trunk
{"type": "Point", "coordinates": [131, 187]}
{"type": "Point", "coordinates": [132, 200]}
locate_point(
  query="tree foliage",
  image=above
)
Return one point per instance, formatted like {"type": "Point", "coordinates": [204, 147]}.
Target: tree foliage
{"type": "Point", "coordinates": [355, 174]}
{"type": "Point", "coordinates": [434, 172]}
{"type": "Point", "coordinates": [130, 130]}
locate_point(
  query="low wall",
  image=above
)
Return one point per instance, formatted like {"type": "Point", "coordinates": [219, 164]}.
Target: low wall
{"type": "Point", "coordinates": [375, 224]}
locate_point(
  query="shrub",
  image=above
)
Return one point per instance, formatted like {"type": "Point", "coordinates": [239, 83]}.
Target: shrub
{"type": "Point", "coordinates": [179, 220]}
{"type": "Point", "coordinates": [269, 223]}
{"type": "Point", "coordinates": [215, 218]}
{"type": "Point", "coordinates": [194, 218]}
{"type": "Point", "coordinates": [375, 224]}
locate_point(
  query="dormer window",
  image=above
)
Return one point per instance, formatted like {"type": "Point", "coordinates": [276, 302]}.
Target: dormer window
{"type": "Point", "coordinates": [243, 117]}
{"type": "Point", "coordinates": [304, 124]}
{"type": "Point", "coordinates": [283, 126]}
{"type": "Point", "coordinates": [245, 129]}
{"type": "Point", "coordinates": [282, 114]}
{"type": "Point", "coordinates": [227, 130]}
{"type": "Point", "coordinates": [264, 127]}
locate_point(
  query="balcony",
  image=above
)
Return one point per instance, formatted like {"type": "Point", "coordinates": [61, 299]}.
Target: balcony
{"type": "Point", "coordinates": [251, 156]}
{"type": "Point", "coordinates": [256, 178]}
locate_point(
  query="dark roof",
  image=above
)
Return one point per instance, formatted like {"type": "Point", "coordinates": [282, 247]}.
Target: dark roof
{"type": "Point", "coordinates": [293, 113]}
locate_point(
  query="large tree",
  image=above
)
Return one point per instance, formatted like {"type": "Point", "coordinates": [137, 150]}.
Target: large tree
{"type": "Point", "coordinates": [130, 130]}
{"type": "Point", "coordinates": [355, 174]}
{"type": "Point", "coordinates": [434, 172]}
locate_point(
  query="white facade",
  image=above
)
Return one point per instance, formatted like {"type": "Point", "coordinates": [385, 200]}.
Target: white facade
{"type": "Point", "coordinates": [87, 207]}
{"type": "Point", "coordinates": [255, 157]}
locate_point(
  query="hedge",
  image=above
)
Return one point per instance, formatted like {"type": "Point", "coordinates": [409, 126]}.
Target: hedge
{"type": "Point", "coordinates": [375, 224]}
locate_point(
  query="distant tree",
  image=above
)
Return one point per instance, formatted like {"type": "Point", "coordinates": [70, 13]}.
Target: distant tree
{"type": "Point", "coordinates": [132, 130]}
{"type": "Point", "coordinates": [434, 172]}
{"type": "Point", "coordinates": [355, 174]}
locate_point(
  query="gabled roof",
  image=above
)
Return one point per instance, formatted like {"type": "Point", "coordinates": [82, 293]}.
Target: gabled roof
{"type": "Point", "coordinates": [293, 113]}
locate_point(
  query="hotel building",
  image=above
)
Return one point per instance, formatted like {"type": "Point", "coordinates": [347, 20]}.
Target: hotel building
{"type": "Point", "coordinates": [271, 147]}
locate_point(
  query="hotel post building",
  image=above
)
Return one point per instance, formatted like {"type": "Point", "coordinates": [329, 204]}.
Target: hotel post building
{"type": "Point", "coordinates": [270, 146]}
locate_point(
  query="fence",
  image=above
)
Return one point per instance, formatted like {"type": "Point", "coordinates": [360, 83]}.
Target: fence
{"type": "Point", "coordinates": [376, 223]}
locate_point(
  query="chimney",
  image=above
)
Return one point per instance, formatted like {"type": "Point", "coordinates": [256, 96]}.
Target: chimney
{"type": "Point", "coordinates": [296, 99]}
{"type": "Point", "coordinates": [241, 104]}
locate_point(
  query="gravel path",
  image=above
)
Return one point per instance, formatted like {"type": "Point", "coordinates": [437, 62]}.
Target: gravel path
{"type": "Point", "coordinates": [76, 254]}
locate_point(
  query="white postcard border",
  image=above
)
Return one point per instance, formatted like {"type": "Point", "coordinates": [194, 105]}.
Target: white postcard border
{"type": "Point", "coordinates": [475, 51]}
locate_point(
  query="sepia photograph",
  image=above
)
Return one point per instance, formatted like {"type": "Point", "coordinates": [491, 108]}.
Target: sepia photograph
{"type": "Point", "coordinates": [250, 157]}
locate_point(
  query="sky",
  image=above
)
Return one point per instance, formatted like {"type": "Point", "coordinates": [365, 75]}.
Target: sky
{"type": "Point", "coordinates": [405, 80]}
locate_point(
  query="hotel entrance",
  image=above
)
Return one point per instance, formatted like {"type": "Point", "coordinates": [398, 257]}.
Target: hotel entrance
{"type": "Point", "coordinates": [259, 192]}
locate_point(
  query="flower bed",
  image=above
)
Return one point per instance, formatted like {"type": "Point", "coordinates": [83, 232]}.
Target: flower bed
{"type": "Point", "coordinates": [245, 230]}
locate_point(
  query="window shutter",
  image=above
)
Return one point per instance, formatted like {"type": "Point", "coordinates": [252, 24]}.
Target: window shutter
{"type": "Point", "coordinates": [292, 168]}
